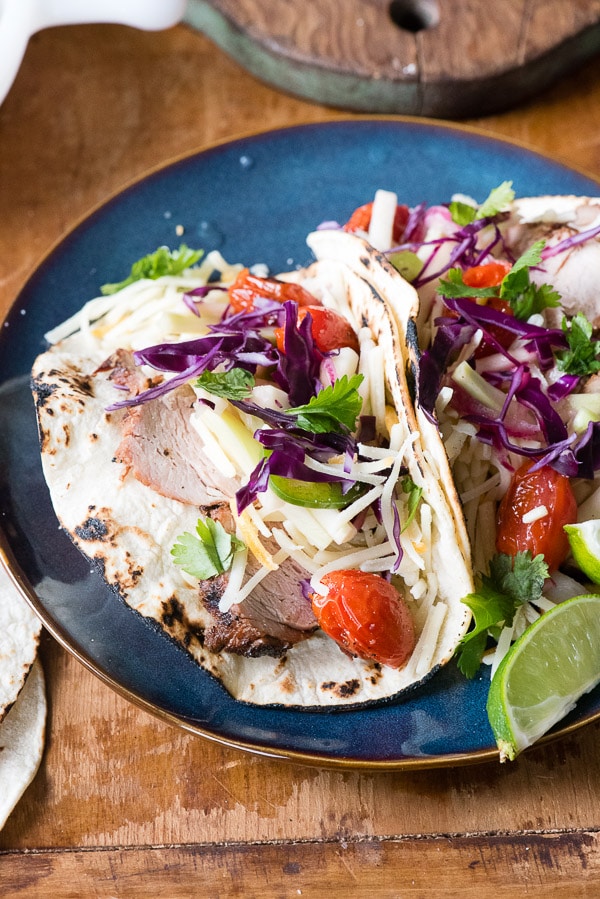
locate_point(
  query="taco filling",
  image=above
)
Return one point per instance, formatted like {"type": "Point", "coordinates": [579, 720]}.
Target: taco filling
{"type": "Point", "coordinates": [240, 456]}
{"type": "Point", "coordinates": [510, 372]}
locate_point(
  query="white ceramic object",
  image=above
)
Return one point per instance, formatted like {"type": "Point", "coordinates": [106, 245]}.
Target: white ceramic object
{"type": "Point", "coordinates": [19, 19]}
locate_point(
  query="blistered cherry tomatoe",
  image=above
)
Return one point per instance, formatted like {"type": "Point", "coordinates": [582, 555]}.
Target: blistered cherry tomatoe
{"type": "Point", "coordinates": [247, 287]}
{"type": "Point", "coordinates": [366, 616]}
{"type": "Point", "coordinates": [549, 492]}
{"type": "Point", "coordinates": [330, 330]}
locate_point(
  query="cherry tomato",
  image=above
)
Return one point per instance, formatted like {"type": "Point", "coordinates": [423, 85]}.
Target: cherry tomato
{"type": "Point", "coordinates": [247, 287]}
{"type": "Point", "coordinates": [366, 616]}
{"type": "Point", "coordinates": [528, 490]}
{"type": "Point", "coordinates": [490, 274]}
{"type": "Point", "coordinates": [329, 329]}
{"type": "Point", "coordinates": [361, 219]}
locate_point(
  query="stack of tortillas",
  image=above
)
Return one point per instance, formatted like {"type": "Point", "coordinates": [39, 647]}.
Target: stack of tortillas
{"type": "Point", "coordinates": [22, 696]}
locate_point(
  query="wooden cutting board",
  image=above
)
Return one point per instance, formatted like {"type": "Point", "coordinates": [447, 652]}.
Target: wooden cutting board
{"type": "Point", "coordinates": [447, 58]}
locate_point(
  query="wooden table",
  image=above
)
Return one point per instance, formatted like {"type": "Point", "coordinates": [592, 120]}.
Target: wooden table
{"type": "Point", "coordinates": [123, 804]}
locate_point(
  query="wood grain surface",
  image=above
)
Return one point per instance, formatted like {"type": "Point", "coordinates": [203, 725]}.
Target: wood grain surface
{"type": "Point", "coordinates": [125, 805]}
{"type": "Point", "coordinates": [424, 57]}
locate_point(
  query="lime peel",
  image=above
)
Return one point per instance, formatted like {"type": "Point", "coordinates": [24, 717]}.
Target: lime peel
{"type": "Point", "coordinates": [552, 664]}
{"type": "Point", "coordinates": [584, 539]}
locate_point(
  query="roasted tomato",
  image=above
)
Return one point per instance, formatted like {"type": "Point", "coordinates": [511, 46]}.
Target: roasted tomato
{"type": "Point", "coordinates": [329, 329]}
{"type": "Point", "coordinates": [361, 219]}
{"type": "Point", "coordinates": [247, 287]}
{"type": "Point", "coordinates": [527, 491]}
{"type": "Point", "coordinates": [366, 616]}
{"type": "Point", "coordinates": [490, 274]}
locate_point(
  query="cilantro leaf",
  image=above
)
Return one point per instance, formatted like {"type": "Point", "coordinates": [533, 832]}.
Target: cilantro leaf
{"type": "Point", "coordinates": [333, 408]}
{"type": "Point", "coordinates": [582, 356]}
{"type": "Point", "coordinates": [208, 554]}
{"type": "Point", "coordinates": [455, 286]}
{"type": "Point", "coordinates": [512, 581]}
{"type": "Point", "coordinates": [235, 384]}
{"type": "Point", "coordinates": [414, 497]}
{"type": "Point", "coordinates": [497, 200]}
{"type": "Point", "coordinates": [527, 299]}
{"type": "Point", "coordinates": [162, 262]}
{"type": "Point", "coordinates": [520, 577]}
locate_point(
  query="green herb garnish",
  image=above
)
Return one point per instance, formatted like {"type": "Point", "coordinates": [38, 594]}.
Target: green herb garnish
{"type": "Point", "coordinates": [162, 262]}
{"type": "Point", "coordinates": [333, 409]}
{"type": "Point", "coordinates": [582, 356]}
{"type": "Point", "coordinates": [209, 553]}
{"type": "Point", "coordinates": [511, 582]}
{"type": "Point", "coordinates": [497, 200]}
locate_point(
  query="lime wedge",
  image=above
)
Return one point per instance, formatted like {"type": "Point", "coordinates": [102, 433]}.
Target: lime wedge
{"type": "Point", "coordinates": [585, 546]}
{"type": "Point", "coordinates": [544, 673]}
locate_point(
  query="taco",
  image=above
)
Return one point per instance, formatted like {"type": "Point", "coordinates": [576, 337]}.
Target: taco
{"type": "Point", "coordinates": [229, 489]}
{"type": "Point", "coordinates": [510, 374]}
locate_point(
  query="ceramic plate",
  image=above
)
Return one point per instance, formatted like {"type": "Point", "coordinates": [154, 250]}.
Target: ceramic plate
{"type": "Point", "coordinates": [254, 199]}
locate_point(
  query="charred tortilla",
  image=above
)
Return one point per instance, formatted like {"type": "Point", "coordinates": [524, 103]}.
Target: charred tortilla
{"type": "Point", "coordinates": [126, 527]}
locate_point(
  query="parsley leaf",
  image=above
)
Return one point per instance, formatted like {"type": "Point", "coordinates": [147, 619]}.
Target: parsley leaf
{"type": "Point", "coordinates": [582, 356]}
{"type": "Point", "coordinates": [511, 582]}
{"type": "Point", "coordinates": [455, 286]}
{"type": "Point", "coordinates": [235, 384]}
{"type": "Point", "coordinates": [497, 200]}
{"type": "Point", "coordinates": [525, 298]}
{"type": "Point", "coordinates": [516, 288]}
{"type": "Point", "coordinates": [333, 408]}
{"type": "Point", "coordinates": [162, 262]}
{"type": "Point", "coordinates": [208, 554]}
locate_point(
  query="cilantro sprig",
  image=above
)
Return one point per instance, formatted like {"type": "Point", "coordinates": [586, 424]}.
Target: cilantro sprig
{"type": "Point", "coordinates": [497, 200]}
{"type": "Point", "coordinates": [583, 354]}
{"type": "Point", "coordinates": [511, 582]}
{"type": "Point", "coordinates": [333, 408]}
{"type": "Point", "coordinates": [525, 297]}
{"type": "Point", "coordinates": [162, 262]}
{"type": "Point", "coordinates": [209, 553]}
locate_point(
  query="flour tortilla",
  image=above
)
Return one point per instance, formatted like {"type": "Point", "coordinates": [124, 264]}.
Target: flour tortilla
{"type": "Point", "coordinates": [19, 638]}
{"type": "Point", "coordinates": [127, 529]}
{"type": "Point", "coordinates": [22, 741]}
{"type": "Point", "coordinates": [22, 696]}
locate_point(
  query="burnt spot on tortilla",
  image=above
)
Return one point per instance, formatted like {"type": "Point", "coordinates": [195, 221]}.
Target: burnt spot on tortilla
{"type": "Point", "coordinates": [343, 690]}
{"type": "Point", "coordinates": [287, 685]}
{"type": "Point", "coordinates": [42, 390]}
{"type": "Point", "coordinates": [92, 529]}
{"type": "Point", "coordinates": [172, 611]}
{"type": "Point", "coordinates": [376, 674]}
{"type": "Point", "coordinates": [67, 433]}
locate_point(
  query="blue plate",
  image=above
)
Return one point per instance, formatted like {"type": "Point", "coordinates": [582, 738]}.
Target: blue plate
{"type": "Point", "coordinates": [254, 199]}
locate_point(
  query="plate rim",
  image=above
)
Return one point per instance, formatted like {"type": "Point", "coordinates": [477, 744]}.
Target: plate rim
{"type": "Point", "coordinates": [59, 633]}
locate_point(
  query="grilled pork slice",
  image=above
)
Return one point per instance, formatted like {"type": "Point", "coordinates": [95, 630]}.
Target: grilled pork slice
{"type": "Point", "coordinates": [270, 620]}
{"type": "Point", "coordinates": [160, 447]}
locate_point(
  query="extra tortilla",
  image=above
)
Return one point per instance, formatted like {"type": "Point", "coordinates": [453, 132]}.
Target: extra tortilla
{"type": "Point", "coordinates": [127, 529]}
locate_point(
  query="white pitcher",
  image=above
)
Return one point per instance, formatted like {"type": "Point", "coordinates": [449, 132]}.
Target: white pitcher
{"type": "Point", "coordinates": [19, 19]}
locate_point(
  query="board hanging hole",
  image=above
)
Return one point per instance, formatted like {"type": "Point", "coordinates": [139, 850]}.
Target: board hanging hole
{"type": "Point", "coordinates": [414, 15]}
